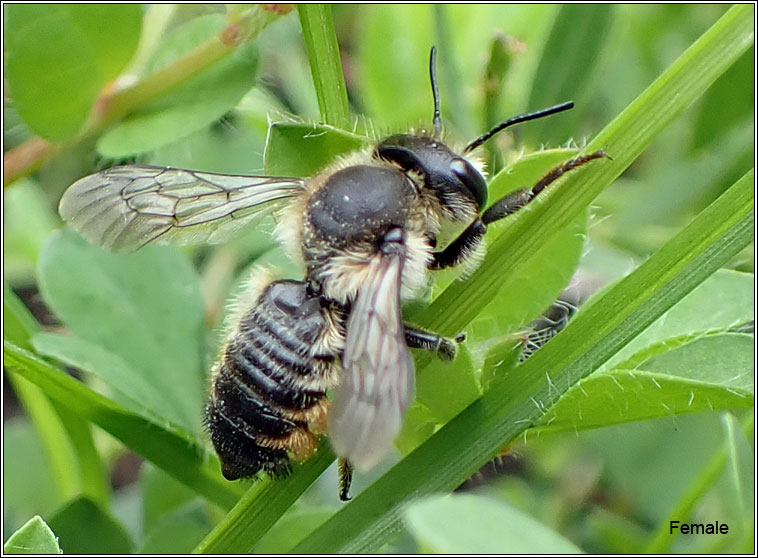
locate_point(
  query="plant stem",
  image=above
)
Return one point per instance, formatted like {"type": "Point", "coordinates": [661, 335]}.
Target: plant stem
{"type": "Point", "coordinates": [262, 506]}
{"type": "Point", "coordinates": [326, 66]}
{"type": "Point", "coordinates": [26, 158]}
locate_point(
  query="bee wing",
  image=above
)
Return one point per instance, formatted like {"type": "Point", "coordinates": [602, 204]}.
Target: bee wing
{"type": "Point", "coordinates": [377, 379]}
{"type": "Point", "coordinates": [124, 208]}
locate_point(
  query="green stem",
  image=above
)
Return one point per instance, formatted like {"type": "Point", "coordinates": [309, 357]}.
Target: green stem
{"type": "Point", "coordinates": [326, 66]}
{"type": "Point", "coordinates": [93, 478]}
{"type": "Point", "coordinates": [261, 507]}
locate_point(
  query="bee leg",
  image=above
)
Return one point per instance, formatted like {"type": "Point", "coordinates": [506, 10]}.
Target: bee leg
{"type": "Point", "coordinates": [514, 201]}
{"type": "Point", "coordinates": [460, 249]}
{"type": "Point", "coordinates": [346, 478]}
{"type": "Point", "coordinates": [420, 339]}
{"type": "Point", "coordinates": [463, 246]}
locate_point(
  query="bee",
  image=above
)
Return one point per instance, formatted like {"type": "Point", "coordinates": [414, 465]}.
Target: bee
{"type": "Point", "coordinates": [365, 229]}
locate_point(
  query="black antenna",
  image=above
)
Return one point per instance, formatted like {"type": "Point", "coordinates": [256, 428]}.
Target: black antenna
{"type": "Point", "coordinates": [435, 92]}
{"type": "Point", "coordinates": [517, 120]}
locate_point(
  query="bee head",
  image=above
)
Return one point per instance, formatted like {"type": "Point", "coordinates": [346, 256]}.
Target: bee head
{"type": "Point", "coordinates": [458, 185]}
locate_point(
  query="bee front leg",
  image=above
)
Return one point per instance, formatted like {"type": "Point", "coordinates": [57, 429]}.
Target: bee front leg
{"type": "Point", "coordinates": [460, 249]}
{"type": "Point", "coordinates": [513, 202]}
{"type": "Point", "coordinates": [445, 348]}
{"type": "Point", "coordinates": [467, 242]}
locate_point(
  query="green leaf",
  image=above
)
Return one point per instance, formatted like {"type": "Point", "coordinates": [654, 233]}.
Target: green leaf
{"type": "Point", "coordinates": [60, 57]}
{"type": "Point", "coordinates": [722, 301]}
{"type": "Point", "coordinates": [295, 149]}
{"type": "Point", "coordinates": [19, 323]}
{"type": "Point", "coordinates": [471, 524]}
{"type": "Point", "coordinates": [725, 360]}
{"type": "Point", "coordinates": [568, 65]}
{"type": "Point", "coordinates": [129, 388]}
{"type": "Point", "coordinates": [84, 528]}
{"type": "Point", "coordinates": [35, 537]}
{"type": "Point", "coordinates": [168, 447]}
{"type": "Point", "coordinates": [621, 396]}
{"type": "Point", "coordinates": [233, 145]}
{"type": "Point", "coordinates": [448, 387]}
{"type": "Point", "coordinates": [713, 372]}
{"type": "Point", "coordinates": [146, 308]}
{"type": "Point", "coordinates": [191, 106]}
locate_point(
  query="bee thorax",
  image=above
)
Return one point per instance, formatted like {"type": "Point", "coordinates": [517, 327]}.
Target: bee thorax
{"type": "Point", "coordinates": [359, 203]}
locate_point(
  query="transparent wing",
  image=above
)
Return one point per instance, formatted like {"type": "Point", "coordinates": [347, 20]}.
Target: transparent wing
{"type": "Point", "coordinates": [377, 379]}
{"type": "Point", "coordinates": [124, 208]}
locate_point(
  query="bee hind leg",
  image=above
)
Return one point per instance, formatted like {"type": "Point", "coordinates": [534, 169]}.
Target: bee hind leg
{"type": "Point", "coordinates": [445, 348]}
{"type": "Point", "coordinates": [346, 478]}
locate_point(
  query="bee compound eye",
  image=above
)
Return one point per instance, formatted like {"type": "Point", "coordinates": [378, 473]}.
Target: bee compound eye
{"type": "Point", "coordinates": [471, 178]}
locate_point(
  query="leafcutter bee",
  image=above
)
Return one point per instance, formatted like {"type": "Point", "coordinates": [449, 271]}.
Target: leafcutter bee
{"type": "Point", "coordinates": [365, 229]}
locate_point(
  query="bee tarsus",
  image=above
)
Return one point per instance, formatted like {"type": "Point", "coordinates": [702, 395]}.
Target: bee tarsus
{"type": "Point", "coordinates": [346, 478]}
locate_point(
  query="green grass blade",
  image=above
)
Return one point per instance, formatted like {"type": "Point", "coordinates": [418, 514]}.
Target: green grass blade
{"type": "Point", "coordinates": [474, 436]}
{"type": "Point", "coordinates": [172, 450]}
{"type": "Point", "coordinates": [326, 66]}
{"type": "Point", "coordinates": [568, 68]}
{"type": "Point", "coordinates": [261, 507]}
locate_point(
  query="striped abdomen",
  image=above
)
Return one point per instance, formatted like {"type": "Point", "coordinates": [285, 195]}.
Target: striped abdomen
{"type": "Point", "coordinates": [268, 396]}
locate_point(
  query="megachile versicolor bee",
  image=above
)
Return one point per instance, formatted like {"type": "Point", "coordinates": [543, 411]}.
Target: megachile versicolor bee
{"type": "Point", "coordinates": [366, 229]}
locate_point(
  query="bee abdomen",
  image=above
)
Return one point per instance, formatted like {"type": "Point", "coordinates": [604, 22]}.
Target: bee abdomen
{"type": "Point", "coordinates": [238, 449]}
{"type": "Point", "coordinates": [259, 412]}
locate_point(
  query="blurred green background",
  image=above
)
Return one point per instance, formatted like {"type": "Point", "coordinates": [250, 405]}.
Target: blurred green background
{"type": "Point", "coordinates": [606, 490]}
